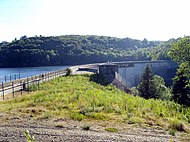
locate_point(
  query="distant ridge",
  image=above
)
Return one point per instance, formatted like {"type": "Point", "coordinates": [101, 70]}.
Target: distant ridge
{"type": "Point", "coordinates": [72, 50]}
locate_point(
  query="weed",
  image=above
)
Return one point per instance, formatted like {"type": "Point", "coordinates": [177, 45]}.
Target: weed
{"type": "Point", "coordinates": [177, 125]}
{"type": "Point", "coordinates": [99, 116]}
{"type": "Point", "coordinates": [134, 120]}
{"type": "Point", "coordinates": [29, 137]}
{"type": "Point", "coordinates": [77, 116]}
{"type": "Point", "coordinates": [111, 129]}
{"type": "Point", "coordinates": [86, 127]}
{"type": "Point", "coordinates": [172, 132]}
{"type": "Point", "coordinates": [171, 140]}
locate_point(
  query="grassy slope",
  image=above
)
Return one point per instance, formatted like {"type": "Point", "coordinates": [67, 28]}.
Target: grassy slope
{"type": "Point", "coordinates": [79, 98]}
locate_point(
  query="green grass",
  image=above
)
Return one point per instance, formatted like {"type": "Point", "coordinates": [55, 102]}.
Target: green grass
{"type": "Point", "coordinates": [78, 98]}
{"type": "Point", "coordinates": [111, 129]}
{"type": "Point", "coordinates": [172, 132]}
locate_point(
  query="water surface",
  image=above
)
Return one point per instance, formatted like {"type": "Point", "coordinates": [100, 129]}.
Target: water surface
{"type": "Point", "coordinates": [26, 71]}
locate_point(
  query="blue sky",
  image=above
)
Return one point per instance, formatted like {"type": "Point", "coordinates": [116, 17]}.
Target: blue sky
{"type": "Point", "coordinates": [151, 19]}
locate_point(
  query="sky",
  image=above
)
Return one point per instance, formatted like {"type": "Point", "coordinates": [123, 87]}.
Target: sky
{"type": "Point", "coordinates": [137, 19]}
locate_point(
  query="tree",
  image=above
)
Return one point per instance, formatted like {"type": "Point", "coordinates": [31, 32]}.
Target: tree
{"type": "Point", "coordinates": [180, 52]}
{"type": "Point", "coordinates": [181, 88]}
{"type": "Point", "coordinates": [23, 37]}
{"type": "Point", "coordinates": [147, 87]}
{"type": "Point", "coordinates": [162, 91]}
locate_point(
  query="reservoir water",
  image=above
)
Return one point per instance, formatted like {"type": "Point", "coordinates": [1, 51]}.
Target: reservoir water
{"type": "Point", "coordinates": [26, 71]}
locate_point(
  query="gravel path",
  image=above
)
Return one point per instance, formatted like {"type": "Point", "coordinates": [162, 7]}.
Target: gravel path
{"type": "Point", "coordinates": [63, 130]}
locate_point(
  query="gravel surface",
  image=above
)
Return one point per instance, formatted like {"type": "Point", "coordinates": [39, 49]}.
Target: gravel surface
{"type": "Point", "coordinates": [65, 130]}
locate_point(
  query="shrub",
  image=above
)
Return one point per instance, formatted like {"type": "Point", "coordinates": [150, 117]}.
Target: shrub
{"type": "Point", "coordinates": [172, 132]}
{"type": "Point", "coordinates": [76, 116]}
{"type": "Point", "coordinates": [177, 125]}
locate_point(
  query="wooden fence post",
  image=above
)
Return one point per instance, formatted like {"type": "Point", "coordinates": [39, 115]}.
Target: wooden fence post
{"type": "Point", "coordinates": [38, 84]}
{"type": "Point", "coordinates": [21, 88]}
{"type": "Point", "coordinates": [32, 82]}
{"type": "Point", "coordinates": [3, 91]}
{"type": "Point", "coordinates": [13, 89]}
{"type": "Point", "coordinates": [42, 77]}
{"type": "Point", "coordinates": [45, 75]}
{"type": "Point", "coordinates": [28, 85]}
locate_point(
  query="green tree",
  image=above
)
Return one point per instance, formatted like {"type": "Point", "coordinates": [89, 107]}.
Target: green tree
{"type": "Point", "coordinates": [180, 52]}
{"type": "Point", "coordinates": [181, 88]}
{"type": "Point", "coordinates": [162, 91]}
{"type": "Point", "coordinates": [147, 87]}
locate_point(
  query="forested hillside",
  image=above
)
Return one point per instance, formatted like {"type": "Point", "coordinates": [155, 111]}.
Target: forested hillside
{"type": "Point", "coordinates": [72, 50]}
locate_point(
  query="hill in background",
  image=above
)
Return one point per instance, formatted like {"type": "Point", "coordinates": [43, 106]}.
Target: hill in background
{"type": "Point", "coordinates": [72, 50]}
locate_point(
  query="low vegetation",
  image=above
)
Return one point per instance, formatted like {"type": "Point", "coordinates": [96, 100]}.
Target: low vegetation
{"type": "Point", "coordinates": [29, 137]}
{"type": "Point", "coordinates": [111, 129]}
{"type": "Point", "coordinates": [86, 127]}
{"type": "Point", "coordinates": [79, 98]}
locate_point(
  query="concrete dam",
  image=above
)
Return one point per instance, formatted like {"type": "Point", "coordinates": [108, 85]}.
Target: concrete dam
{"type": "Point", "coordinates": [130, 72]}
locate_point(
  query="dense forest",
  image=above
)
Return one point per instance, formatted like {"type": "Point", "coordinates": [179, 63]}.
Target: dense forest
{"type": "Point", "coordinates": [75, 49]}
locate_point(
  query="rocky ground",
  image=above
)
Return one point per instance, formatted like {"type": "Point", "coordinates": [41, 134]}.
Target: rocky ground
{"type": "Point", "coordinates": [58, 130]}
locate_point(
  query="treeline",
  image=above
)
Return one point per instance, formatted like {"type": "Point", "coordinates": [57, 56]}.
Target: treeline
{"type": "Point", "coordinates": [72, 50]}
{"type": "Point", "coordinates": [159, 52]}
{"type": "Point", "coordinates": [154, 86]}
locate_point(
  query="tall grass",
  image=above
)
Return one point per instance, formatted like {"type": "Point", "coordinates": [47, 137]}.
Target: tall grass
{"type": "Point", "coordinates": [79, 98]}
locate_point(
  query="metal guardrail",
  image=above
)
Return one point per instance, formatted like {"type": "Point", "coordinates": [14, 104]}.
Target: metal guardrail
{"type": "Point", "coordinates": [19, 86]}
{"type": "Point", "coordinates": [12, 77]}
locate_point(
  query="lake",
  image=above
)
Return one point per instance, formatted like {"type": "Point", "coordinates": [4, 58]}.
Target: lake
{"type": "Point", "coordinates": [26, 71]}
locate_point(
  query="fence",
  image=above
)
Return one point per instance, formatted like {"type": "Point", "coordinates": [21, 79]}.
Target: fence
{"type": "Point", "coordinates": [17, 87]}
{"type": "Point", "coordinates": [11, 77]}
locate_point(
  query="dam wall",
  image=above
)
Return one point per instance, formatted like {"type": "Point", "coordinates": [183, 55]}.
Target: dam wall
{"type": "Point", "coordinates": [131, 72]}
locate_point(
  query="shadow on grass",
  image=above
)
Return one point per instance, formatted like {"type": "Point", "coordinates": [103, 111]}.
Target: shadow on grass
{"type": "Point", "coordinates": [99, 79]}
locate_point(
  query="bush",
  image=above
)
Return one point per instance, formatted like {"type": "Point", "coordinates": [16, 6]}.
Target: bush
{"type": "Point", "coordinates": [177, 125]}
{"type": "Point", "coordinates": [77, 116]}
{"type": "Point", "coordinates": [134, 91]}
{"type": "Point", "coordinates": [172, 132]}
